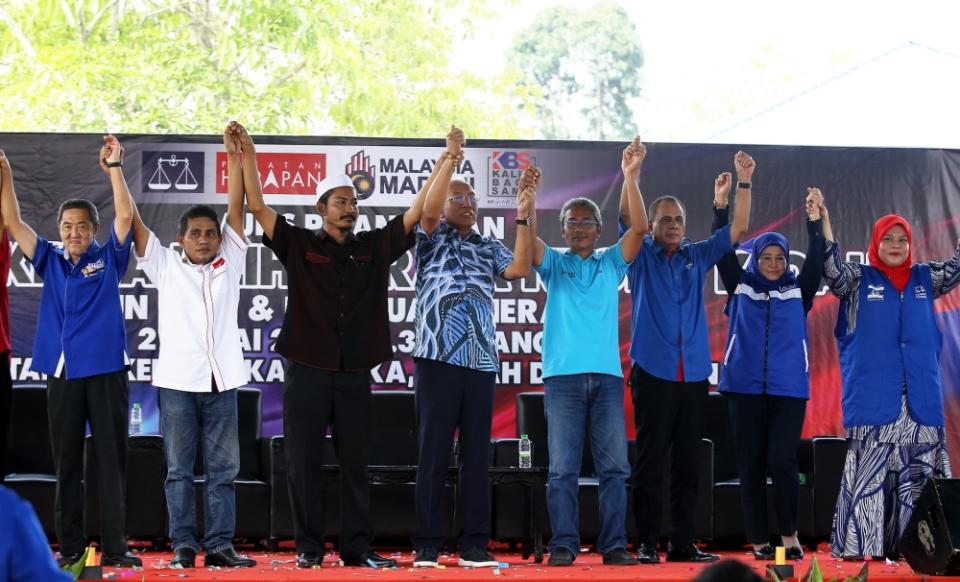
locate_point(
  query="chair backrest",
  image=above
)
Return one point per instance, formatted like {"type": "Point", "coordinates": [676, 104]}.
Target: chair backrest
{"type": "Point", "coordinates": [532, 421]}
{"type": "Point", "coordinates": [28, 437]}
{"type": "Point", "coordinates": [395, 428]}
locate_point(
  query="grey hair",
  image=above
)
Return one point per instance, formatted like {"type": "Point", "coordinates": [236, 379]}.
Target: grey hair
{"type": "Point", "coordinates": [581, 202]}
{"type": "Point", "coordinates": [652, 212]}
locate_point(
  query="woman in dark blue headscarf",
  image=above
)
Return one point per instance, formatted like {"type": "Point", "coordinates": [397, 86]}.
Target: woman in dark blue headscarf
{"type": "Point", "coordinates": [765, 371]}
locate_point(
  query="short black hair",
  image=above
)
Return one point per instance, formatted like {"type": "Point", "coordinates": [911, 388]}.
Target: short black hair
{"type": "Point", "coordinates": [581, 202]}
{"type": "Point", "coordinates": [728, 571]}
{"type": "Point", "coordinates": [652, 212]}
{"type": "Point", "coordinates": [197, 211]}
{"type": "Point", "coordinates": [79, 204]}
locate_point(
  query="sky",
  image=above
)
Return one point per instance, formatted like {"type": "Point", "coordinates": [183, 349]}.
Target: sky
{"type": "Point", "coordinates": [716, 70]}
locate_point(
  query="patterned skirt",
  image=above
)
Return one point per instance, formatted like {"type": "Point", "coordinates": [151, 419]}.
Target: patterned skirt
{"type": "Point", "coordinates": [885, 470]}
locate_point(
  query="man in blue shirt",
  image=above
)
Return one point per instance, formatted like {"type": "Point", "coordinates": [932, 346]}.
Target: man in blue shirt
{"type": "Point", "coordinates": [24, 552]}
{"type": "Point", "coordinates": [584, 379]}
{"type": "Point", "coordinates": [81, 347]}
{"type": "Point", "coordinates": [671, 356]}
{"type": "Point", "coordinates": [456, 355]}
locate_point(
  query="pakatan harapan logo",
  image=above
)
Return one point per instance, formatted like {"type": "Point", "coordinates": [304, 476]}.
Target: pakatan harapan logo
{"type": "Point", "coordinates": [504, 169]}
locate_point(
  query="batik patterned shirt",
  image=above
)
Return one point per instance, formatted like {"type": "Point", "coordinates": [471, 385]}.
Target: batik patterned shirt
{"type": "Point", "coordinates": [455, 285]}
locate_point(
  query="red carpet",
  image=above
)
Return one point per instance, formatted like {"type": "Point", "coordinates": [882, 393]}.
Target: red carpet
{"type": "Point", "coordinates": [275, 566]}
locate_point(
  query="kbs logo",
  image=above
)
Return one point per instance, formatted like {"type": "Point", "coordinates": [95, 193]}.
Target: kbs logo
{"type": "Point", "coordinates": [171, 171]}
{"type": "Point", "coordinates": [363, 174]}
{"type": "Point", "coordinates": [504, 169]}
{"type": "Point", "coordinates": [282, 173]}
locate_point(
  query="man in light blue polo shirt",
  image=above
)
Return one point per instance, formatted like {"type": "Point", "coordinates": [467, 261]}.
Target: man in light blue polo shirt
{"type": "Point", "coordinates": [671, 355]}
{"type": "Point", "coordinates": [584, 379]}
{"type": "Point", "coordinates": [81, 347]}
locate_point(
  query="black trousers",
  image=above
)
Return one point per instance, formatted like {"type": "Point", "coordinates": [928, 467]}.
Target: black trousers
{"type": "Point", "coordinates": [667, 416]}
{"type": "Point", "coordinates": [314, 399]}
{"type": "Point", "coordinates": [102, 400]}
{"type": "Point", "coordinates": [6, 397]}
{"type": "Point", "coordinates": [766, 432]}
{"type": "Point", "coordinates": [450, 397]}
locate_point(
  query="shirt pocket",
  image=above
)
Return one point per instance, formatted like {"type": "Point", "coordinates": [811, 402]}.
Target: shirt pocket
{"type": "Point", "coordinates": [317, 258]}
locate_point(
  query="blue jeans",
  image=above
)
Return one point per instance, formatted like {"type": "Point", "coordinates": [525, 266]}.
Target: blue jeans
{"type": "Point", "coordinates": [185, 418]}
{"type": "Point", "coordinates": [573, 404]}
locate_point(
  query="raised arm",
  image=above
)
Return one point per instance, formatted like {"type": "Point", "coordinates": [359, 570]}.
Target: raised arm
{"type": "Point", "coordinates": [455, 142]}
{"type": "Point", "coordinates": [745, 166]}
{"type": "Point", "coordinates": [266, 216]}
{"type": "Point", "coordinates": [141, 234]}
{"type": "Point", "coordinates": [235, 182]}
{"type": "Point", "coordinates": [10, 209]}
{"type": "Point", "coordinates": [437, 194]}
{"type": "Point", "coordinates": [728, 265]}
{"type": "Point", "coordinates": [812, 270]}
{"type": "Point", "coordinates": [630, 163]}
{"type": "Point", "coordinates": [843, 277]}
{"type": "Point", "coordinates": [122, 201]}
{"type": "Point", "coordinates": [526, 208]}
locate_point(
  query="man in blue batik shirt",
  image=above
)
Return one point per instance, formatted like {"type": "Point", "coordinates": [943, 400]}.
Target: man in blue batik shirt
{"type": "Point", "coordinates": [456, 354]}
{"type": "Point", "coordinates": [81, 347]}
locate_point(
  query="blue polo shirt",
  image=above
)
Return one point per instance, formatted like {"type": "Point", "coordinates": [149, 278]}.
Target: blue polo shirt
{"type": "Point", "coordinates": [80, 330]}
{"type": "Point", "coordinates": [456, 278]}
{"type": "Point", "coordinates": [580, 328]}
{"type": "Point", "coordinates": [668, 313]}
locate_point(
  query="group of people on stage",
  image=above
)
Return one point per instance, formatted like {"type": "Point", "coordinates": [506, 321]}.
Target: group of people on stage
{"type": "Point", "coordinates": [336, 328]}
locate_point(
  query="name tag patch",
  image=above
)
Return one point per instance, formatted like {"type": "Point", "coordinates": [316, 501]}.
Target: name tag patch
{"type": "Point", "coordinates": [91, 269]}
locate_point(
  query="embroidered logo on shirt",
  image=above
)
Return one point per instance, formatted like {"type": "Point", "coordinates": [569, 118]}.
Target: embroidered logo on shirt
{"type": "Point", "coordinates": [220, 262]}
{"type": "Point", "coordinates": [876, 293]}
{"type": "Point", "coordinates": [919, 292]}
{"type": "Point", "coordinates": [92, 269]}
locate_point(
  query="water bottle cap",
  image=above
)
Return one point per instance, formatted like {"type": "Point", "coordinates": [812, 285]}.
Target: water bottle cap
{"type": "Point", "coordinates": [523, 436]}
{"type": "Point", "coordinates": [136, 405]}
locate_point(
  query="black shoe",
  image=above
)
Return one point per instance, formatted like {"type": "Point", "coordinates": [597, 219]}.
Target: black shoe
{"type": "Point", "coordinates": [647, 554]}
{"type": "Point", "coordinates": [426, 558]}
{"type": "Point", "coordinates": [69, 559]}
{"type": "Point", "coordinates": [309, 559]}
{"type": "Point", "coordinates": [228, 558]}
{"type": "Point", "coordinates": [561, 557]}
{"type": "Point", "coordinates": [764, 554]}
{"type": "Point", "coordinates": [185, 557]}
{"type": "Point", "coordinates": [690, 553]}
{"type": "Point", "coordinates": [794, 553]}
{"type": "Point", "coordinates": [124, 560]}
{"type": "Point", "coordinates": [477, 557]}
{"type": "Point", "coordinates": [619, 557]}
{"type": "Point", "coordinates": [369, 560]}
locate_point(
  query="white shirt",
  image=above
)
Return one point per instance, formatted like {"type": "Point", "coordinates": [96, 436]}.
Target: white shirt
{"type": "Point", "coordinates": [197, 320]}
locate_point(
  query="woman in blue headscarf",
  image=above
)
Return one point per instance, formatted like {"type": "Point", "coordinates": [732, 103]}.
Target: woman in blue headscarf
{"type": "Point", "coordinates": [765, 371]}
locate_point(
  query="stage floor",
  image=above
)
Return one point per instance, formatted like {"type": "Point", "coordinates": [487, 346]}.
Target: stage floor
{"type": "Point", "coordinates": [276, 566]}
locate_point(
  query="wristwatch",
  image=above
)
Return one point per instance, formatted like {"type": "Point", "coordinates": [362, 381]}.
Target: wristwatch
{"type": "Point", "coordinates": [524, 221]}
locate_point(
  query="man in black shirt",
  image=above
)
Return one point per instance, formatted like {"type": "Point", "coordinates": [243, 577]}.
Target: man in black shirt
{"type": "Point", "coordinates": [334, 331]}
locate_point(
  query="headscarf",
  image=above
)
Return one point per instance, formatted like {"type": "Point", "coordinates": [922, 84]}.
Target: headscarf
{"type": "Point", "coordinates": [897, 275]}
{"type": "Point", "coordinates": [753, 275]}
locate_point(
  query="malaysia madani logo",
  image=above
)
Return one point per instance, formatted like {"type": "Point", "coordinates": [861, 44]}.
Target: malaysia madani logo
{"type": "Point", "coordinates": [363, 174]}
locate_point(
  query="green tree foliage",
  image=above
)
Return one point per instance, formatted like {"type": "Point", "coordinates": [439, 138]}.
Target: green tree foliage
{"type": "Point", "coordinates": [587, 62]}
{"type": "Point", "coordinates": [356, 67]}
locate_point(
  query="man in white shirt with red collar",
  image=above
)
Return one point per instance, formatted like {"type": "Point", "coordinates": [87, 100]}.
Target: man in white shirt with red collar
{"type": "Point", "coordinates": [201, 363]}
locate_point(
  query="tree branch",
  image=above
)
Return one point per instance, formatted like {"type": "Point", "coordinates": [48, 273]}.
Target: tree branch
{"type": "Point", "coordinates": [18, 33]}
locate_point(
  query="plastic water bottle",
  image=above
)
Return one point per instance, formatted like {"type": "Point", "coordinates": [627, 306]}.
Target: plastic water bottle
{"type": "Point", "coordinates": [136, 419]}
{"type": "Point", "coordinates": [526, 452]}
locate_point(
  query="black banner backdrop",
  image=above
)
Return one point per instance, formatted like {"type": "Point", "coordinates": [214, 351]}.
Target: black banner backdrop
{"type": "Point", "coordinates": [166, 174]}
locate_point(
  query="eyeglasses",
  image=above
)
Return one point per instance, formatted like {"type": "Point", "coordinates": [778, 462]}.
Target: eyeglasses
{"type": "Point", "coordinates": [586, 224]}
{"type": "Point", "coordinates": [461, 199]}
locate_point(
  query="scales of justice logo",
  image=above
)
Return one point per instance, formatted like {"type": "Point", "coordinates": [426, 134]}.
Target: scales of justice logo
{"type": "Point", "coordinates": [172, 171]}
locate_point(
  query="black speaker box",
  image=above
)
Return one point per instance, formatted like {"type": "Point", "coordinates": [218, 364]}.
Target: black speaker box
{"type": "Point", "coordinates": [930, 540]}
